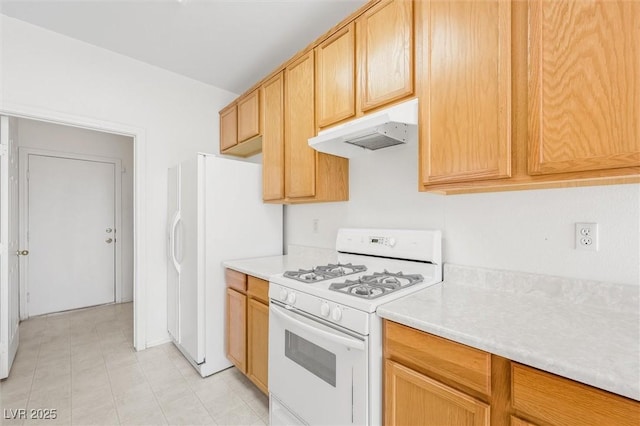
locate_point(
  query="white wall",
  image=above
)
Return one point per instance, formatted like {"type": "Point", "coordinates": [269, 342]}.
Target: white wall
{"type": "Point", "coordinates": [67, 139]}
{"type": "Point", "coordinates": [46, 71]}
{"type": "Point", "coordinates": [530, 231]}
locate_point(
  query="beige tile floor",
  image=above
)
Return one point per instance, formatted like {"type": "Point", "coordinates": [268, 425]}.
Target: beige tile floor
{"type": "Point", "coordinates": [83, 365]}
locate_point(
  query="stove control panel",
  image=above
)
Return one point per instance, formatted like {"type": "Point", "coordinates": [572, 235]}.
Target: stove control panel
{"type": "Point", "coordinates": [383, 241]}
{"type": "Point", "coordinates": [345, 316]}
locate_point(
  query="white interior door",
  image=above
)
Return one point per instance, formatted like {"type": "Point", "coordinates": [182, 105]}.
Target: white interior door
{"type": "Point", "coordinates": [71, 236]}
{"type": "Point", "coordinates": [9, 239]}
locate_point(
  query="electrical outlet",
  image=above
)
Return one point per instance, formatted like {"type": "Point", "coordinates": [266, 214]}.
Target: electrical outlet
{"type": "Point", "coordinates": [587, 236]}
{"type": "Point", "coordinates": [315, 225]}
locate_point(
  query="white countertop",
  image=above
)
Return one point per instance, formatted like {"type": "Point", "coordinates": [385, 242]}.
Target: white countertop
{"type": "Point", "coordinates": [298, 257]}
{"type": "Point", "coordinates": [585, 331]}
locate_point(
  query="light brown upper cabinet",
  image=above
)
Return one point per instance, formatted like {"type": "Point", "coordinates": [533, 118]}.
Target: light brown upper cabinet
{"type": "Point", "coordinates": [273, 139]}
{"type": "Point", "coordinates": [299, 125]}
{"type": "Point", "coordinates": [385, 53]}
{"type": "Point", "coordinates": [335, 77]}
{"type": "Point", "coordinates": [310, 176]}
{"type": "Point", "coordinates": [464, 72]}
{"type": "Point", "coordinates": [584, 85]}
{"type": "Point", "coordinates": [228, 127]}
{"type": "Point", "coordinates": [241, 126]}
{"type": "Point", "coordinates": [249, 117]}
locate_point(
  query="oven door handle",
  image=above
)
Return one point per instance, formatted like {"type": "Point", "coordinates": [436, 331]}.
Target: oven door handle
{"type": "Point", "coordinates": [334, 337]}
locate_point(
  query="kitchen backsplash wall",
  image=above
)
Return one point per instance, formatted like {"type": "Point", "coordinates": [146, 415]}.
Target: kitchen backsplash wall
{"type": "Point", "coordinates": [529, 231]}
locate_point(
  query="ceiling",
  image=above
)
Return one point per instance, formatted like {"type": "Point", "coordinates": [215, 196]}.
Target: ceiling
{"type": "Point", "coordinates": [225, 43]}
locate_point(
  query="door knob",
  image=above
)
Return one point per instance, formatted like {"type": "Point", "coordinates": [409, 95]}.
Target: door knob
{"type": "Point", "coordinates": [109, 240]}
{"type": "Point", "coordinates": [22, 252]}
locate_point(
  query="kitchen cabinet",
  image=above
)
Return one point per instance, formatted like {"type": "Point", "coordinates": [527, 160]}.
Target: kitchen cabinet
{"type": "Point", "coordinates": [247, 331]}
{"type": "Point", "coordinates": [241, 126]}
{"type": "Point", "coordinates": [552, 400]}
{"type": "Point", "coordinates": [432, 380]}
{"type": "Point", "coordinates": [438, 404]}
{"type": "Point", "coordinates": [249, 117]}
{"type": "Point", "coordinates": [236, 329]}
{"type": "Point", "coordinates": [447, 383]}
{"type": "Point", "coordinates": [335, 77]}
{"type": "Point", "coordinates": [584, 85]}
{"type": "Point", "coordinates": [309, 175]}
{"type": "Point", "coordinates": [554, 105]}
{"type": "Point", "coordinates": [273, 139]}
{"type": "Point", "coordinates": [465, 90]}
{"type": "Point", "coordinates": [258, 333]}
{"type": "Point", "coordinates": [385, 46]}
{"type": "Point", "coordinates": [228, 127]}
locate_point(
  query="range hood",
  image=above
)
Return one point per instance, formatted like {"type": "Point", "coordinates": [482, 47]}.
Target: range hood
{"type": "Point", "coordinates": [392, 126]}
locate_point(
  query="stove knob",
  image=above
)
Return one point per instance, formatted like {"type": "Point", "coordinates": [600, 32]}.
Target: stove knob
{"type": "Point", "coordinates": [392, 242]}
{"type": "Point", "coordinates": [291, 298]}
{"type": "Point", "coordinates": [283, 294]}
{"type": "Point", "coordinates": [324, 309]}
{"type": "Point", "coordinates": [336, 314]}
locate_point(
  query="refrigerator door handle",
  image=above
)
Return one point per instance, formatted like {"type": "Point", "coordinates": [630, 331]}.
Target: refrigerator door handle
{"type": "Point", "coordinates": [174, 241]}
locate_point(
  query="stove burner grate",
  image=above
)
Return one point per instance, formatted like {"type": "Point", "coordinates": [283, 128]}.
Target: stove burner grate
{"type": "Point", "coordinates": [376, 284]}
{"type": "Point", "coordinates": [324, 272]}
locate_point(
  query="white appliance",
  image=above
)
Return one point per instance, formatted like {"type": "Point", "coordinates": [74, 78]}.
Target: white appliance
{"type": "Point", "coordinates": [325, 339]}
{"type": "Point", "coordinates": [215, 213]}
{"type": "Point", "coordinates": [395, 125]}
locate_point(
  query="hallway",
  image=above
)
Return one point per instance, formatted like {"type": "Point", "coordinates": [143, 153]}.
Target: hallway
{"type": "Point", "coordinates": [82, 364]}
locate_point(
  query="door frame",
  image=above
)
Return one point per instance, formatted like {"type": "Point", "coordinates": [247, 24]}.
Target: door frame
{"type": "Point", "coordinates": [139, 136]}
{"type": "Point", "coordinates": [23, 189]}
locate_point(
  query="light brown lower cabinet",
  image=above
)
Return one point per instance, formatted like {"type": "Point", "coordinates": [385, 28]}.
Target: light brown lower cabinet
{"type": "Point", "coordinates": [433, 381]}
{"type": "Point", "coordinates": [547, 399]}
{"type": "Point", "coordinates": [247, 331]}
{"type": "Point", "coordinates": [236, 326]}
{"type": "Point", "coordinates": [258, 343]}
{"type": "Point", "coordinates": [438, 404]}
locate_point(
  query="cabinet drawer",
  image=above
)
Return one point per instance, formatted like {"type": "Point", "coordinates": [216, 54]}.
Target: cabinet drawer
{"type": "Point", "coordinates": [236, 280]}
{"type": "Point", "coordinates": [442, 358]}
{"type": "Point", "coordinates": [561, 401]}
{"type": "Point", "coordinates": [258, 289]}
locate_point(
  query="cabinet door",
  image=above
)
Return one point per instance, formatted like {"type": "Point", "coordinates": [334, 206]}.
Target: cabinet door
{"type": "Point", "coordinates": [335, 78]}
{"type": "Point", "coordinates": [228, 127]}
{"type": "Point", "coordinates": [385, 44]}
{"type": "Point", "coordinates": [464, 64]}
{"type": "Point", "coordinates": [300, 159]}
{"type": "Point", "coordinates": [414, 399]}
{"type": "Point", "coordinates": [555, 400]}
{"type": "Point", "coordinates": [584, 85]}
{"type": "Point", "coordinates": [249, 120]}
{"type": "Point", "coordinates": [273, 139]}
{"type": "Point", "coordinates": [236, 329]}
{"type": "Point", "coordinates": [258, 343]}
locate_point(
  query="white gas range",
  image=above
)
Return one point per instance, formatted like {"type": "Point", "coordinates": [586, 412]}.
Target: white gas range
{"type": "Point", "coordinates": [325, 340]}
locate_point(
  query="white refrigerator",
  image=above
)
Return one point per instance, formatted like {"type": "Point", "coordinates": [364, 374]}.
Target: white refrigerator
{"type": "Point", "coordinates": [215, 213]}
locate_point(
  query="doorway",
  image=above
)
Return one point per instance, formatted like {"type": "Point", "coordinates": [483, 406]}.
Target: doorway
{"type": "Point", "coordinates": [71, 215]}
{"type": "Point", "coordinates": [84, 176]}
{"type": "Point", "coordinates": [135, 171]}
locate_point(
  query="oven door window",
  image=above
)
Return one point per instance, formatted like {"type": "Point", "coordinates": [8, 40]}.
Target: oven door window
{"type": "Point", "coordinates": [311, 357]}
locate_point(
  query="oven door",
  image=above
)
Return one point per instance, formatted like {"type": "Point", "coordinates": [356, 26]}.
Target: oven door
{"type": "Point", "coordinates": [316, 370]}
